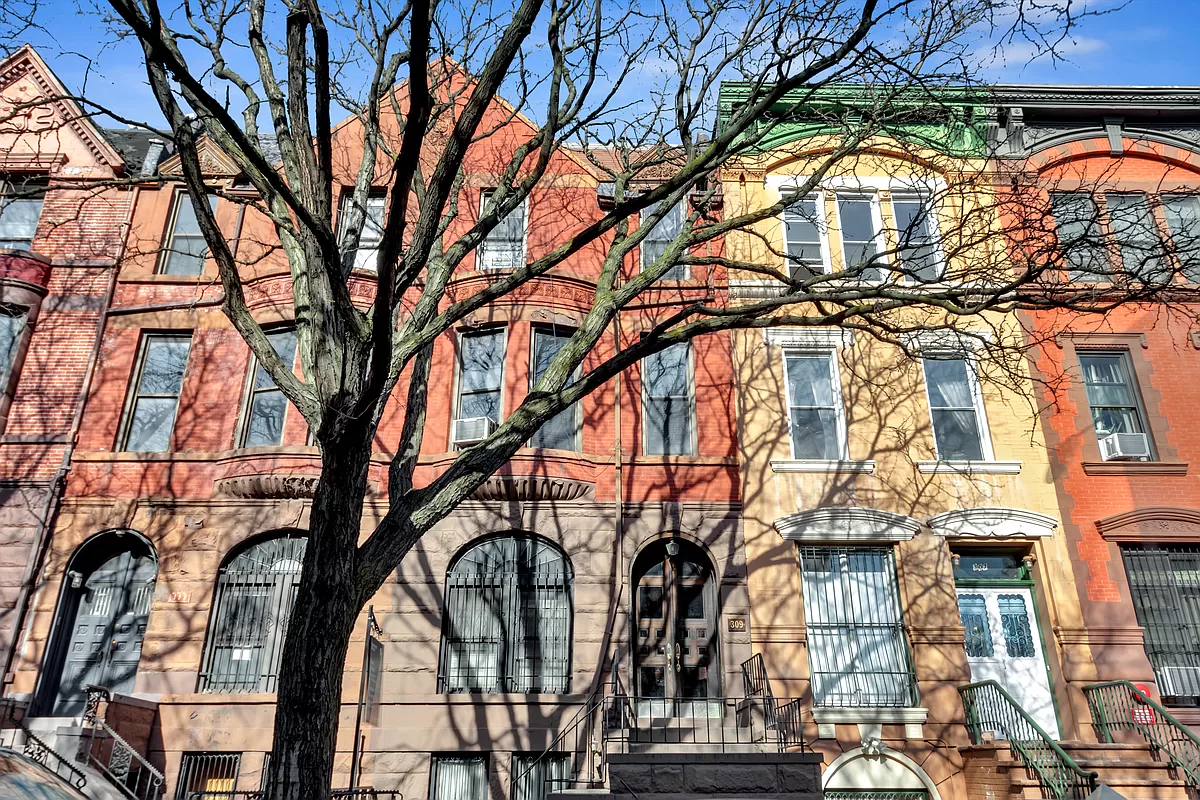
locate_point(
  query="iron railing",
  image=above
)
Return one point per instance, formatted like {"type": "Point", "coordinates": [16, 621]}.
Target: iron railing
{"type": "Point", "coordinates": [113, 757]}
{"type": "Point", "coordinates": [991, 709]}
{"type": "Point", "coordinates": [756, 683]}
{"type": "Point", "coordinates": [790, 725]}
{"type": "Point", "coordinates": [360, 793]}
{"type": "Point", "coordinates": [1121, 706]}
{"type": "Point", "coordinates": [37, 749]}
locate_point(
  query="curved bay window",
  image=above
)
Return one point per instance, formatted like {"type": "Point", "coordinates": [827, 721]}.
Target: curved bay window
{"type": "Point", "coordinates": [508, 618]}
{"type": "Point", "coordinates": [255, 592]}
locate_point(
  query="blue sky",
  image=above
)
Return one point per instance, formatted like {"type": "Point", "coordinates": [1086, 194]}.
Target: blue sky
{"type": "Point", "coordinates": [1146, 42]}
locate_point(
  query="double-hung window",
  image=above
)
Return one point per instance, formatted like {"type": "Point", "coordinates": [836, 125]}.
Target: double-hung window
{"type": "Point", "coordinates": [186, 249]}
{"type": "Point", "coordinates": [668, 402]}
{"type": "Point", "coordinates": [804, 237]}
{"type": "Point", "coordinates": [815, 417]}
{"type": "Point", "coordinates": [150, 419]}
{"type": "Point", "coordinates": [480, 374]}
{"type": "Point", "coordinates": [1164, 583]}
{"type": "Point", "coordinates": [1136, 234]}
{"type": "Point", "coordinates": [1080, 239]}
{"type": "Point", "coordinates": [12, 323]}
{"type": "Point", "coordinates": [859, 217]}
{"type": "Point", "coordinates": [956, 409]}
{"type": "Point", "coordinates": [366, 255]}
{"type": "Point", "coordinates": [1111, 394]}
{"type": "Point", "coordinates": [660, 237]}
{"type": "Point", "coordinates": [536, 776]}
{"type": "Point", "coordinates": [916, 229]}
{"type": "Point", "coordinates": [562, 431]}
{"type": "Point", "coordinates": [458, 778]}
{"type": "Point", "coordinates": [1183, 221]}
{"type": "Point", "coordinates": [266, 407]}
{"type": "Point", "coordinates": [20, 210]}
{"type": "Point", "coordinates": [504, 246]}
{"type": "Point", "coordinates": [857, 649]}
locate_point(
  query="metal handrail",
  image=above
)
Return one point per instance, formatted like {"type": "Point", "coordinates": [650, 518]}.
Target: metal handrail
{"type": "Point", "coordinates": [1114, 706]}
{"type": "Point", "coordinates": [989, 707]}
{"type": "Point", "coordinates": [125, 767]}
{"type": "Point", "coordinates": [756, 683]}
{"type": "Point", "coordinates": [42, 753]}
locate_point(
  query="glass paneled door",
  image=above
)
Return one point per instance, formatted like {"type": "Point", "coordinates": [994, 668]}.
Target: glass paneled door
{"type": "Point", "coordinates": [676, 629]}
{"type": "Point", "coordinates": [1003, 645]}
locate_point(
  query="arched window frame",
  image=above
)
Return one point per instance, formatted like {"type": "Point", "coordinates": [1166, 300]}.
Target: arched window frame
{"type": "Point", "coordinates": [244, 645]}
{"type": "Point", "coordinates": [506, 597]}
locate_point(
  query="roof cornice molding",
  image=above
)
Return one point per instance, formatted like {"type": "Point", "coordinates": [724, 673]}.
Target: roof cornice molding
{"type": "Point", "coordinates": [1066, 95]}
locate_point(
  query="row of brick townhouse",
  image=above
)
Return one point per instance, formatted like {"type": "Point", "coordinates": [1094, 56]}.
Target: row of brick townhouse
{"type": "Point", "coordinates": [777, 561]}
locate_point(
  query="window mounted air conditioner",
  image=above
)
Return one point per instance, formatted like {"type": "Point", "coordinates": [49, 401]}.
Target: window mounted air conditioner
{"type": "Point", "coordinates": [1125, 447]}
{"type": "Point", "coordinates": [472, 430]}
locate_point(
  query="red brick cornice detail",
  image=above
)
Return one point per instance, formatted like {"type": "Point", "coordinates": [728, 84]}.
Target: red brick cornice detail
{"type": "Point", "coordinates": [20, 265]}
{"type": "Point", "coordinates": [1157, 524]}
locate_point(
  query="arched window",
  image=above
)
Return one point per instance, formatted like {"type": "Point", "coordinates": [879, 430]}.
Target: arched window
{"type": "Point", "coordinates": [508, 618]}
{"type": "Point", "coordinates": [255, 592]}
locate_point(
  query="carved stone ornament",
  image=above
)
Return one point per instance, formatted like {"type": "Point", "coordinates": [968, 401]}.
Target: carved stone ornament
{"type": "Point", "coordinates": [285, 487]}
{"type": "Point", "coordinates": [533, 487]}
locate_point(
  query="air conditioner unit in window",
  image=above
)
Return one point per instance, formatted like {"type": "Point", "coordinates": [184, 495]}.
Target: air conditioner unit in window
{"type": "Point", "coordinates": [1125, 447]}
{"type": "Point", "coordinates": [472, 430]}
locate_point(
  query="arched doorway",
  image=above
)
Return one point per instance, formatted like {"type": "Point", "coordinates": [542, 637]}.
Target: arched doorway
{"type": "Point", "coordinates": [101, 621]}
{"type": "Point", "coordinates": [676, 659]}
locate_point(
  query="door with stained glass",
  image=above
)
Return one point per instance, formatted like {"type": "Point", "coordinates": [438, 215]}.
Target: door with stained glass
{"type": "Point", "coordinates": [677, 667]}
{"type": "Point", "coordinates": [1003, 643]}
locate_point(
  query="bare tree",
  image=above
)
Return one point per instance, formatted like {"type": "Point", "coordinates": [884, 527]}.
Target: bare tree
{"type": "Point", "coordinates": [629, 91]}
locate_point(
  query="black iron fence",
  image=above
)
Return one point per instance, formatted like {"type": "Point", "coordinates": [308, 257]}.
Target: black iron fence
{"type": "Point", "coordinates": [336, 794]}
{"type": "Point", "coordinates": [38, 750]}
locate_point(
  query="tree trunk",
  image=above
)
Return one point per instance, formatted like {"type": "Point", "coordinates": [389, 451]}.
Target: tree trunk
{"type": "Point", "coordinates": [318, 635]}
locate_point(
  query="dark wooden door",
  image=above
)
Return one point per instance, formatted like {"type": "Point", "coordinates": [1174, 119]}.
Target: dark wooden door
{"type": "Point", "coordinates": [676, 629]}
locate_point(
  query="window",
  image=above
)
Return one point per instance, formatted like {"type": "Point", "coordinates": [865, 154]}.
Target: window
{"type": "Point", "coordinates": [1077, 222]}
{"type": "Point", "coordinates": [561, 432]}
{"type": "Point", "coordinates": [20, 209]}
{"type": "Point", "coordinates": [367, 253]}
{"type": "Point", "coordinates": [1164, 583]}
{"type": "Point", "coordinates": [12, 323]}
{"type": "Point", "coordinates": [814, 406]}
{"type": "Point", "coordinates": [504, 247]}
{"type": "Point", "coordinates": [266, 407]}
{"type": "Point", "coordinates": [151, 415]}
{"type": "Point", "coordinates": [667, 402]}
{"type": "Point", "coordinates": [860, 234]}
{"type": "Point", "coordinates": [1183, 220]}
{"type": "Point", "coordinates": [956, 409]}
{"type": "Point", "coordinates": [536, 776]}
{"type": "Point", "coordinates": [1111, 394]}
{"type": "Point", "coordinates": [857, 649]}
{"type": "Point", "coordinates": [207, 772]}
{"type": "Point", "coordinates": [186, 249]}
{"type": "Point", "coordinates": [480, 371]}
{"type": "Point", "coordinates": [255, 592]}
{"type": "Point", "coordinates": [508, 619]}
{"type": "Point", "coordinates": [804, 237]}
{"type": "Point", "coordinates": [458, 778]}
{"type": "Point", "coordinates": [916, 228]}
{"type": "Point", "coordinates": [660, 238]}
{"type": "Point", "coordinates": [1136, 236]}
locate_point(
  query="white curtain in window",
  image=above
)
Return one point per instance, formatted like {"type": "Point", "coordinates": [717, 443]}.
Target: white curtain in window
{"type": "Point", "coordinates": [459, 778]}
{"type": "Point", "coordinates": [534, 777]}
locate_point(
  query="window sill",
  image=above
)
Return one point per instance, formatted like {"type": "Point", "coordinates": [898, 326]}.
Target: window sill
{"type": "Point", "coordinates": [822, 465]}
{"type": "Point", "coordinates": [1135, 468]}
{"type": "Point", "coordinates": [870, 720]}
{"type": "Point", "coordinates": [970, 467]}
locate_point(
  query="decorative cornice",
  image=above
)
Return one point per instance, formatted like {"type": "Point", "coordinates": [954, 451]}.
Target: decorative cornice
{"type": "Point", "coordinates": [847, 524]}
{"type": "Point", "coordinates": [281, 487]}
{"type": "Point", "coordinates": [1157, 523]}
{"type": "Point", "coordinates": [947, 340]}
{"type": "Point", "coordinates": [533, 487]}
{"type": "Point", "coordinates": [992, 523]}
{"type": "Point", "coordinates": [809, 337]}
{"type": "Point", "coordinates": [1099, 97]}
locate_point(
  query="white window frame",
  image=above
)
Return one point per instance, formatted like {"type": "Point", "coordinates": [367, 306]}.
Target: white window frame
{"type": "Point", "coordinates": [882, 263]}
{"type": "Point", "coordinates": [835, 378]}
{"type": "Point", "coordinates": [481, 247]}
{"type": "Point", "coordinates": [976, 386]}
{"type": "Point", "coordinates": [691, 396]}
{"type": "Point", "coordinates": [576, 407]}
{"type": "Point", "coordinates": [931, 212]}
{"type": "Point", "coordinates": [366, 259]}
{"type": "Point", "coordinates": [822, 223]}
{"type": "Point", "coordinates": [681, 207]}
{"type": "Point", "coordinates": [458, 365]}
{"type": "Point", "coordinates": [1131, 383]}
